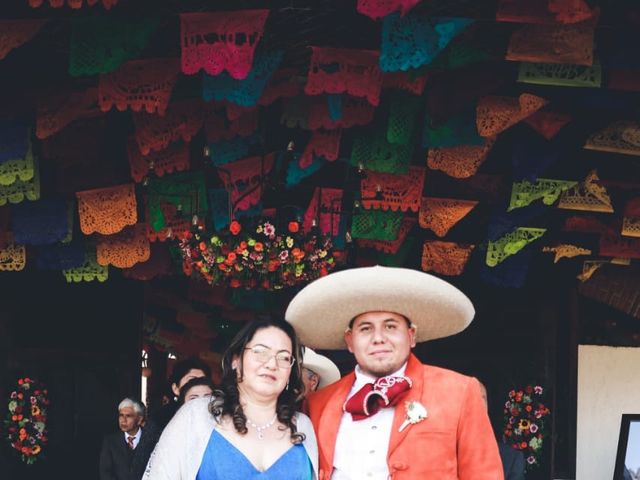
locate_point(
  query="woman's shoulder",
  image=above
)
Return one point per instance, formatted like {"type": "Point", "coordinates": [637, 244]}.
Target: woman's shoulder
{"type": "Point", "coordinates": [194, 411]}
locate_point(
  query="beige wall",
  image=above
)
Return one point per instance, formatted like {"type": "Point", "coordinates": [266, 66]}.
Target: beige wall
{"type": "Point", "coordinates": [608, 386]}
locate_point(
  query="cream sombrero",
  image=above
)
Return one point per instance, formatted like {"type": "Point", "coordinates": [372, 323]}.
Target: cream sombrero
{"type": "Point", "coordinates": [322, 366]}
{"type": "Point", "coordinates": [321, 311]}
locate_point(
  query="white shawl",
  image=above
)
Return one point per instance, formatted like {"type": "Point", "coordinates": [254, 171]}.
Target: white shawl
{"type": "Point", "coordinates": [179, 451]}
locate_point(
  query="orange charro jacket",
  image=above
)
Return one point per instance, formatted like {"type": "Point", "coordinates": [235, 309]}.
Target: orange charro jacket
{"type": "Point", "coordinates": [455, 441]}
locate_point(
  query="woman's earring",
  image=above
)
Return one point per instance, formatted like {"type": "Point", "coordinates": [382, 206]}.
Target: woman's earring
{"type": "Point", "coordinates": [287, 387]}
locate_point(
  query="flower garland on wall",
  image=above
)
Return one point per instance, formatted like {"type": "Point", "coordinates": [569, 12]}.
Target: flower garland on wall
{"type": "Point", "coordinates": [257, 257]}
{"type": "Point", "coordinates": [26, 420]}
{"type": "Point", "coordinates": [525, 422]}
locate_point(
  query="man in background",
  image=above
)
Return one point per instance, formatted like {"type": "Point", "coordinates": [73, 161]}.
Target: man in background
{"type": "Point", "coordinates": [124, 454]}
{"type": "Point", "coordinates": [317, 371]}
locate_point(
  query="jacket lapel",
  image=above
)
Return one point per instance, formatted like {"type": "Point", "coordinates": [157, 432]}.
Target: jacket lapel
{"type": "Point", "coordinates": [415, 373]}
{"type": "Point", "coordinates": [329, 422]}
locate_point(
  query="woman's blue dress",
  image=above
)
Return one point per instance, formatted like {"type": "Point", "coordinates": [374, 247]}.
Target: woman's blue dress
{"type": "Point", "coordinates": [223, 461]}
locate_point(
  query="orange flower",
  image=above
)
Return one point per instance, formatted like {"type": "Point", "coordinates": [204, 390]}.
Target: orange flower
{"type": "Point", "coordinates": [523, 445]}
{"type": "Point", "coordinates": [258, 247]}
{"type": "Point", "coordinates": [235, 227]}
{"type": "Point", "coordinates": [294, 227]}
{"type": "Point", "coordinates": [202, 246]}
{"type": "Point", "coordinates": [297, 254]}
{"type": "Point", "coordinates": [234, 283]}
{"type": "Point", "coordinates": [273, 265]}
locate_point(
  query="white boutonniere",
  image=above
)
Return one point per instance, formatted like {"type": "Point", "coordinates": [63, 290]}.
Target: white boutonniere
{"type": "Point", "coordinates": [416, 412]}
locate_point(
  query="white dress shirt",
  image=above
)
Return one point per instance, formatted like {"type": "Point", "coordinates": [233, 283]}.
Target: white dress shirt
{"type": "Point", "coordinates": [136, 438]}
{"type": "Point", "coordinates": [361, 447]}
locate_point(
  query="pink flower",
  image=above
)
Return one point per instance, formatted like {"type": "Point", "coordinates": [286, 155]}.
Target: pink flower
{"type": "Point", "coordinates": [269, 230]}
{"type": "Point", "coordinates": [533, 427]}
{"type": "Point", "coordinates": [538, 389]}
{"type": "Point", "coordinates": [531, 459]}
{"type": "Point", "coordinates": [284, 254]}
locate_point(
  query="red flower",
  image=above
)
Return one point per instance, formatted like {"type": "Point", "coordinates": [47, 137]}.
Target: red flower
{"type": "Point", "coordinates": [235, 227]}
{"type": "Point", "coordinates": [523, 445]}
{"type": "Point", "coordinates": [528, 408]}
{"type": "Point", "coordinates": [273, 265]}
{"type": "Point", "coordinates": [202, 246]}
{"type": "Point", "coordinates": [294, 227]}
{"type": "Point", "coordinates": [234, 283]}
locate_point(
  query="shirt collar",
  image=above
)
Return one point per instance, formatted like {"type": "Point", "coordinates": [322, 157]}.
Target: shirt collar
{"type": "Point", "coordinates": [363, 378]}
{"type": "Point", "coordinates": [136, 436]}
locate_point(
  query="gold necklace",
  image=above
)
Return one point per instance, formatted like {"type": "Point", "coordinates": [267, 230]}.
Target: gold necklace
{"type": "Point", "coordinates": [261, 428]}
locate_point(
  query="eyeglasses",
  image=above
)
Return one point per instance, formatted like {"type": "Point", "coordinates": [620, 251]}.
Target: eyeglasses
{"type": "Point", "coordinates": [263, 355]}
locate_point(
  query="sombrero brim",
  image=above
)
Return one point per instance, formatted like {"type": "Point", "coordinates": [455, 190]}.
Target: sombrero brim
{"type": "Point", "coordinates": [321, 311]}
{"type": "Point", "coordinates": [322, 366]}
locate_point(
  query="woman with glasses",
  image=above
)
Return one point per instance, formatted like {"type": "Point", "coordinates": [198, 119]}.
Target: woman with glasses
{"type": "Point", "coordinates": [250, 427]}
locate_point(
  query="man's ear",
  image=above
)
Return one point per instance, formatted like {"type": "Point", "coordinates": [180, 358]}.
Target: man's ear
{"type": "Point", "coordinates": [348, 339]}
{"type": "Point", "coordinates": [413, 333]}
{"type": "Point", "coordinates": [175, 389]}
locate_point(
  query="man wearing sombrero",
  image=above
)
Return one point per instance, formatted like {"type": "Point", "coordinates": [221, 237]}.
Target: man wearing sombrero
{"type": "Point", "coordinates": [393, 417]}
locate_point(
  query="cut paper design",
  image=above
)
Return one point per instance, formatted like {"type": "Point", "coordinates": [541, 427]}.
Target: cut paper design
{"type": "Point", "coordinates": [88, 272]}
{"type": "Point", "coordinates": [61, 110]}
{"type": "Point", "coordinates": [245, 92]}
{"type": "Point", "coordinates": [524, 193]}
{"type": "Point", "coordinates": [13, 258]}
{"type": "Point", "coordinates": [390, 247]}
{"type": "Point", "coordinates": [325, 208]}
{"type": "Point", "coordinates": [460, 54]}
{"type": "Point", "coordinates": [501, 222]}
{"type": "Point", "coordinates": [295, 173]}
{"type": "Point", "coordinates": [139, 84]}
{"type": "Point", "coordinates": [18, 169]}
{"type": "Point", "coordinates": [14, 141]}
{"type": "Point", "coordinates": [533, 157]}
{"type": "Point", "coordinates": [355, 111]}
{"type": "Point", "coordinates": [372, 152]}
{"type": "Point", "coordinates": [323, 143]}
{"type": "Point", "coordinates": [182, 121]}
{"type": "Point", "coordinates": [442, 214]}
{"type": "Point", "coordinates": [219, 41]}
{"type": "Point", "coordinates": [393, 192]}
{"type": "Point", "coordinates": [244, 179]}
{"type": "Point", "coordinates": [158, 265]}
{"type": "Point", "coordinates": [40, 223]}
{"type": "Point", "coordinates": [559, 74]}
{"type": "Point", "coordinates": [107, 210]}
{"type": "Point", "coordinates": [381, 8]}
{"type": "Point", "coordinates": [186, 192]}
{"type": "Point", "coordinates": [588, 195]}
{"type": "Point", "coordinates": [14, 33]}
{"type": "Point", "coordinates": [218, 126]}
{"type": "Point", "coordinates": [445, 258]}
{"type": "Point", "coordinates": [457, 130]}
{"type": "Point", "coordinates": [618, 246]}
{"type": "Point", "coordinates": [19, 190]}
{"type": "Point", "coordinates": [631, 220]}
{"type": "Point", "coordinates": [75, 4]}
{"type": "Point", "coordinates": [101, 44]}
{"type": "Point", "coordinates": [586, 225]}
{"type": "Point", "coordinates": [510, 273]}
{"type": "Point", "coordinates": [413, 84]}
{"type": "Point", "coordinates": [60, 257]}
{"type": "Point", "coordinates": [590, 267]}
{"type": "Point", "coordinates": [336, 70]}
{"type": "Point", "coordinates": [402, 118]}
{"type": "Point", "coordinates": [376, 224]}
{"type": "Point", "coordinates": [415, 40]}
{"type": "Point", "coordinates": [283, 84]}
{"type": "Point", "coordinates": [124, 249]}
{"type": "Point", "coordinates": [175, 224]}
{"type": "Point", "coordinates": [543, 11]}
{"type": "Point", "coordinates": [547, 124]}
{"type": "Point", "coordinates": [619, 137]}
{"type": "Point", "coordinates": [565, 250]}
{"type": "Point", "coordinates": [569, 44]}
{"type": "Point", "coordinates": [227, 151]}
{"type": "Point", "coordinates": [511, 243]}
{"type": "Point", "coordinates": [459, 162]}
{"type": "Point", "coordinates": [495, 114]}
{"type": "Point", "coordinates": [174, 158]}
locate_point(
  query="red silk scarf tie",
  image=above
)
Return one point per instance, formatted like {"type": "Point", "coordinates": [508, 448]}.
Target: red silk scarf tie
{"type": "Point", "coordinates": [384, 392]}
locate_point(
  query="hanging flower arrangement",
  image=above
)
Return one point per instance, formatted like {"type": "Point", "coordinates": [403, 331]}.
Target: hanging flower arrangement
{"type": "Point", "coordinates": [525, 419]}
{"type": "Point", "coordinates": [26, 420]}
{"type": "Point", "coordinates": [258, 257]}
